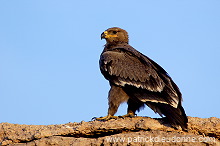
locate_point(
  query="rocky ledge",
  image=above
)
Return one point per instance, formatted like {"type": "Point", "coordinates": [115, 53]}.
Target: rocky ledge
{"type": "Point", "coordinates": [128, 131]}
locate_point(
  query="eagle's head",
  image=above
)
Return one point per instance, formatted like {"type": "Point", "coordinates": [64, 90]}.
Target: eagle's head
{"type": "Point", "coordinates": [115, 35]}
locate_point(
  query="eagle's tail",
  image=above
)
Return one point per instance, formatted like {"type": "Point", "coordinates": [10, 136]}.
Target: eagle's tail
{"type": "Point", "coordinates": [176, 116]}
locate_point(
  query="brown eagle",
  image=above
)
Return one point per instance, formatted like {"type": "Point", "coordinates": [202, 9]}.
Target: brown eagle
{"type": "Point", "coordinates": [136, 79]}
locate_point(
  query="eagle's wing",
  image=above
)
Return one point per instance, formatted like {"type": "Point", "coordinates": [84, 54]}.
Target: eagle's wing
{"type": "Point", "coordinates": [126, 68]}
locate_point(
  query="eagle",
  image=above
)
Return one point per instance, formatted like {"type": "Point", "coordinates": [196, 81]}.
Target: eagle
{"type": "Point", "coordinates": [138, 80]}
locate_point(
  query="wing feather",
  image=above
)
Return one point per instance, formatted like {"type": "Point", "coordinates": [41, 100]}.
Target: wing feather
{"type": "Point", "coordinates": [126, 69]}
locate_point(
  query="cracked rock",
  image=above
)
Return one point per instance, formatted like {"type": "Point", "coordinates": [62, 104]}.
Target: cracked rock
{"type": "Point", "coordinates": [127, 131]}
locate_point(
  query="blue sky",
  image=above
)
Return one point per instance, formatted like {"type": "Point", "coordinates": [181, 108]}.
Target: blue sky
{"type": "Point", "coordinates": [49, 53]}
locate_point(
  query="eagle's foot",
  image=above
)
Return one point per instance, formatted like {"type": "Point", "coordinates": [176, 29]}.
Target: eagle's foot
{"type": "Point", "coordinates": [131, 115]}
{"type": "Point", "coordinates": [106, 118]}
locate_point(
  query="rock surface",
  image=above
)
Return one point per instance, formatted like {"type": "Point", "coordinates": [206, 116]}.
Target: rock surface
{"type": "Point", "coordinates": [128, 131]}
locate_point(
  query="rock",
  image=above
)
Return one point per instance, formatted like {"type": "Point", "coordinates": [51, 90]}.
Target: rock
{"type": "Point", "coordinates": [128, 131]}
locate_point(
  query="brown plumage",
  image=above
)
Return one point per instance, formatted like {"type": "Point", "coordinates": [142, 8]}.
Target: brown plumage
{"type": "Point", "coordinates": [138, 80]}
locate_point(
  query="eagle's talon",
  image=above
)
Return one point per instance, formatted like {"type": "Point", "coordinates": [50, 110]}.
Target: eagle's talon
{"type": "Point", "coordinates": [106, 118]}
{"type": "Point", "coordinates": [94, 118]}
{"type": "Point", "coordinates": [130, 115]}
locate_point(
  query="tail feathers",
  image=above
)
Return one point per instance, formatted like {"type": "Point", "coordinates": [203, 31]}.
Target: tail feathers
{"type": "Point", "coordinates": [176, 116]}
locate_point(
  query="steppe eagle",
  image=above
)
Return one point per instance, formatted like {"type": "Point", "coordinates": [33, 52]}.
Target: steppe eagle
{"type": "Point", "coordinates": [136, 79]}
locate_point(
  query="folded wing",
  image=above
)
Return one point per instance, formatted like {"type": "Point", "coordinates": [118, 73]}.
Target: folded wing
{"type": "Point", "coordinates": [135, 71]}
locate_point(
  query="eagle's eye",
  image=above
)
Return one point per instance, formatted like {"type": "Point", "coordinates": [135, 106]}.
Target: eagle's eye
{"type": "Point", "coordinates": [114, 32]}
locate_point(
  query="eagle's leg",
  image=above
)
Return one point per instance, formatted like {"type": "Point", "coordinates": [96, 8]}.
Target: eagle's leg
{"type": "Point", "coordinates": [133, 106]}
{"type": "Point", "coordinates": [115, 98]}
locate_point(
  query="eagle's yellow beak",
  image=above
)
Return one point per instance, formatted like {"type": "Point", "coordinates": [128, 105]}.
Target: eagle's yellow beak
{"type": "Point", "coordinates": [105, 35]}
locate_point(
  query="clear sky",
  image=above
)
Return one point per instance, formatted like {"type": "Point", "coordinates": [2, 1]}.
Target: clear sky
{"type": "Point", "coordinates": [49, 53]}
